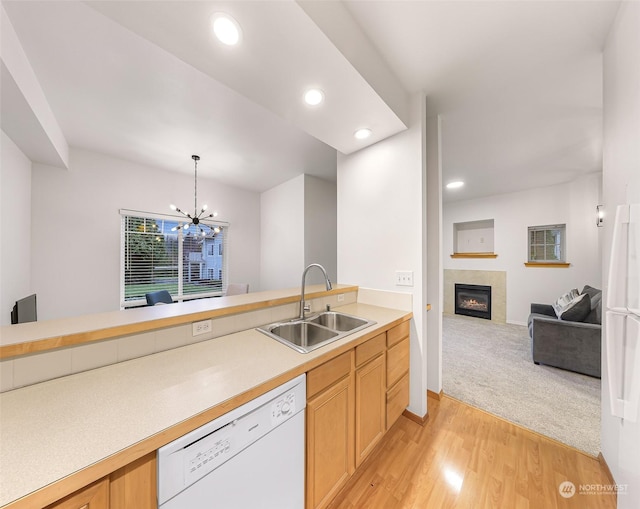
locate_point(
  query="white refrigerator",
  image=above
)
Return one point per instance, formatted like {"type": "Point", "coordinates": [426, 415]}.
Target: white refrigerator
{"type": "Point", "coordinates": [623, 315]}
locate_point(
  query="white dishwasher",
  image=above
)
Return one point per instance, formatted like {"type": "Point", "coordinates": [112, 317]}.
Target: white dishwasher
{"type": "Point", "coordinates": [251, 457]}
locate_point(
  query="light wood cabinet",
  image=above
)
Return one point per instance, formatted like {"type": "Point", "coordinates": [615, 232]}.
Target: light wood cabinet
{"type": "Point", "coordinates": [397, 400]}
{"type": "Point", "coordinates": [351, 402]}
{"type": "Point", "coordinates": [134, 486]}
{"type": "Point", "coordinates": [370, 392]}
{"type": "Point", "coordinates": [398, 347]}
{"type": "Point", "coordinates": [130, 487]}
{"type": "Point", "coordinates": [94, 496]}
{"type": "Point", "coordinates": [329, 442]}
{"type": "Point", "coordinates": [397, 361]}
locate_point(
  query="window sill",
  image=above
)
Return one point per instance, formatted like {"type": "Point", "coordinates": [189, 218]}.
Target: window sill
{"type": "Point", "coordinates": [474, 255]}
{"type": "Point", "coordinates": [556, 265]}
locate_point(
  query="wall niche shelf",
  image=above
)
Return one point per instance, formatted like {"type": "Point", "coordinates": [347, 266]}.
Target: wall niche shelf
{"type": "Point", "coordinates": [474, 255]}
{"type": "Point", "coordinates": [473, 239]}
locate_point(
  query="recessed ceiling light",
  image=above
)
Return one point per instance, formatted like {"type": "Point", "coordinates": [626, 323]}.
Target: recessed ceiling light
{"type": "Point", "coordinates": [455, 184]}
{"type": "Point", "coordinates": [313, 96]}
{"type": "Point", "coordinates": [363, 133]}
{"type": "Point", "coordinates": [226, 29]}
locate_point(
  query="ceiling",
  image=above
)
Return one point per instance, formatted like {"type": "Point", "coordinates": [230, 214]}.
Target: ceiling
{"type": "Point", "coordinates": [518, 85]}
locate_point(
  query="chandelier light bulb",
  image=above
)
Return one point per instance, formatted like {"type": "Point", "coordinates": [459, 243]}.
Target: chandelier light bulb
{"type": "Point", "coordinates": [173, 207]}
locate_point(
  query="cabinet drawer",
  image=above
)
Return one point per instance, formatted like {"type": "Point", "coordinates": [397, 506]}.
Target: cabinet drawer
{"type": "Point", "coordinates": [397, 333]}
{"type": "Point", "coordinates": [370, 349]}
{"type": "Point", "coordinates": [397, 400]}
{"type": "Point", "coordinates": [328, 373]}
{"type": "Point", "coordinates": [397, 361]}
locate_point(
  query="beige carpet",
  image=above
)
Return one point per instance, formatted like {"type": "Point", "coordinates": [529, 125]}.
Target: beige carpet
{"type": "Point", "coordinates": [489, 366]}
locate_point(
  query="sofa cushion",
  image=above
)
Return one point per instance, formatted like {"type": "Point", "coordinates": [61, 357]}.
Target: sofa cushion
{"type": "Point", "coordinates": [578, 309]}
{"type": "Point", "coordinates": [563, 302]}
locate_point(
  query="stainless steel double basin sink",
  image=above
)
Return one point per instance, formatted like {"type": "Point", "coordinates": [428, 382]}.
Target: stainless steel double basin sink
{"type": "Point", "coordinates": [315, 331]}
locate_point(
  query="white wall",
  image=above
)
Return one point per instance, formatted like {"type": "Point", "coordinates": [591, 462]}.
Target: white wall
{"type": "Point", "coordinates": [282, 242]}
{"type": "Point", "coordinates": [320, 222]}
{"type": "Point", "coordinates": [432, 247]}
{"type": "Point", "coordinates": [15, 227]}
{"type": "Point", "coordinates": [381, 227]}
{"type": "Point", "coordinates": [298, 221]}
{"type": "Point", "coordinates": [573, 204]}
{"type": "Point", "coordinates": [620, 440]}
{"type": "Point", "coordinates": [76, 227]}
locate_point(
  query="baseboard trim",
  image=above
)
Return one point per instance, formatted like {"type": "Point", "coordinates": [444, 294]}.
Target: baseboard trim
{"type": "Point", "coordinates": [435, 395]}
{"type": "Point", "coordinates": [416, 418]}
{"type": "Point", "coordinates": [606, 468]}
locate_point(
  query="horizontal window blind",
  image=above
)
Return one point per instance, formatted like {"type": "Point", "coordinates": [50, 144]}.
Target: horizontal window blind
{"type": "Point", "coordinates": [153, 257]}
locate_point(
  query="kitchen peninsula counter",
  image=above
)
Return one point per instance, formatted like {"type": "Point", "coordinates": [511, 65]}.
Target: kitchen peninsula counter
{"type": "Point", "coordinates": [60, 435]}
{"type": "Point", "coordinates": [32, 337]}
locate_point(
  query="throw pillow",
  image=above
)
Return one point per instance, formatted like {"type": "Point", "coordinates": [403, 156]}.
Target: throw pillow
{"type": "Point", "coordinates": [563, 302]}
{"type": "Point", "coordinates": [594, 293]}
{"type": "Point", "coordinates": [578, 309]}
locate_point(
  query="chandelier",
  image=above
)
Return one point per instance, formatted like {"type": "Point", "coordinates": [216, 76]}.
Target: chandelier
{"type": "Point", "coordinates": [195, 225]}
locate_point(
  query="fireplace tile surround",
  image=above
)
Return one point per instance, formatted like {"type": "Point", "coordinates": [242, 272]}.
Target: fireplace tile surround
{"type": "Point", "coordinates": [497, 280]}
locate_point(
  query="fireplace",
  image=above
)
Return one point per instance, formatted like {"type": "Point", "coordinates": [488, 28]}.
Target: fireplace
{"type": "Point", "coordinates": [473, 300]}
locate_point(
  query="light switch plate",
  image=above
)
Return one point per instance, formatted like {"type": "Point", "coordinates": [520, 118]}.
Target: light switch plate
{"type": "Point", "coordinates": [404, 278]}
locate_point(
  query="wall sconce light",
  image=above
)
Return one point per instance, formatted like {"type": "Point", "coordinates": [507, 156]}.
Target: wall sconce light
{"type": "Point", "coordinates": [599, 215]}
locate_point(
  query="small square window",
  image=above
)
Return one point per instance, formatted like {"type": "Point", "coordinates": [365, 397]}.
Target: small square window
{"type": "Point", "coordinates": [547, 243]}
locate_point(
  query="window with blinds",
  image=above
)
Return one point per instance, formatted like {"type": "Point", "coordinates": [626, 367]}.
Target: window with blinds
{"type": "Point", "coordinates": [153, 257]}
{"type": "Point", "coordinates": [547, 243]}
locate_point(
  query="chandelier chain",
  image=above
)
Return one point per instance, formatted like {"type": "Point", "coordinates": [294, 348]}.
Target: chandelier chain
{"type": "Point", "coordinates": [195, 190]}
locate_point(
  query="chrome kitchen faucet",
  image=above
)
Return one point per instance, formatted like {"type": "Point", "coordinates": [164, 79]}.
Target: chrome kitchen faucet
{"type": "Point", "coordinates": [305, 307]}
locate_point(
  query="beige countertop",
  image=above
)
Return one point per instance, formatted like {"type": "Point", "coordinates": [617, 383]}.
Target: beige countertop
{"type": "Point", "coordinates": [54, 429]}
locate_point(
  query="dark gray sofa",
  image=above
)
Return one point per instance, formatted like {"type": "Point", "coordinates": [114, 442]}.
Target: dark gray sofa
{"type": "Point", "coordinates": [575, 346]}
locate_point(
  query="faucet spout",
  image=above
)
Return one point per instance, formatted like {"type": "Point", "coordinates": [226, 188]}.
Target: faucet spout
{"type": "Point", "coordinates": [303, 307]}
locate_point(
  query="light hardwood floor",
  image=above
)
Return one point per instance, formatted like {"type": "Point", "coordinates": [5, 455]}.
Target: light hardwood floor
{"type": "Point", "coordinates": [466, 458]}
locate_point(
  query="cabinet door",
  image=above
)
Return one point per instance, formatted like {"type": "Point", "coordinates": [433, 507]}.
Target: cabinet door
{"type": "Point", "coordinates": [134, 486]}
{"type": "Point", "coordinates": [94, 496]}
{"type": "Point", "coordinates": [329, 443]}
{"type": "Point", "coordinates": [370, 406]}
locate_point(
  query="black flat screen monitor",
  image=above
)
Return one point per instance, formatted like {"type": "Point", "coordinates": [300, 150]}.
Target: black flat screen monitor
{"type": "Point", "coordinates": [25, 310]}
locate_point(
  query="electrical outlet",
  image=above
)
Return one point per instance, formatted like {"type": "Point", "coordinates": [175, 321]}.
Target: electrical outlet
{"type": "Point", "coordinates": [341, 297]}
{"type": "Point", "coordinates": [404, 278]}
{"type": "Point", "coordinates": [202, 327]}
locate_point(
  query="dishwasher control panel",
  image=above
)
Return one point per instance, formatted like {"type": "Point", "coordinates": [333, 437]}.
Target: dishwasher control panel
{"type": "Point", "coordinates": [219, 450]}
{"type": "Point", "coordinates": [283, 408]}
{"type": "Point", "coordinates": [196, 454]}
